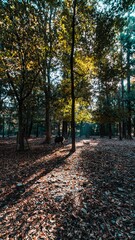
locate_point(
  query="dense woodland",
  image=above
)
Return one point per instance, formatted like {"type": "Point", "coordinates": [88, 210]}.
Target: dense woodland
{"type": "Point", "coordinates": [64, 64]}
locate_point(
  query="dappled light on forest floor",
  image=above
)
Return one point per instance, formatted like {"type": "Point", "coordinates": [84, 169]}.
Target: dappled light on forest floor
{"type": "Point", "coordinates": [49, 193]}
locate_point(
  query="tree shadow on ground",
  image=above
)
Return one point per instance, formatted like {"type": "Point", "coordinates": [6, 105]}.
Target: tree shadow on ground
{"type": "Point", "coordinates": [26, 168]}
{"type": "Point", "coordinates": [105, 209]}
{"type": "Point", "coordinates": [99, 207]}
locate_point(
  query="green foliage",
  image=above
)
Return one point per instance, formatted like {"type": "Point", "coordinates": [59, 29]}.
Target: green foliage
{"type": "Point", "coordinates": [35, 50]}
{"type": "Point", "coordinates": [20, 53]}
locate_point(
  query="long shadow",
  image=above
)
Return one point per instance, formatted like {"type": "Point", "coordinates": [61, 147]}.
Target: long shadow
{"type": "Point", "coordinates": [20, 223]}
{"type": "Point", "coordinates": [106, 206]}
{"type": "Point", "coordinates": [106, 194]}
{"type": "Point", "coordinates": [42, 167]}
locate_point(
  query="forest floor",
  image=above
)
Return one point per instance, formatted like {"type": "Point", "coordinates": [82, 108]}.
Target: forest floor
{"type": "Point", "coordinates": [49, 193]}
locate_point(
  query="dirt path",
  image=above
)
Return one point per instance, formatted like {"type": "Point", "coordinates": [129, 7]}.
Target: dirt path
{"type": "Point", "coordinates": [51, 194]}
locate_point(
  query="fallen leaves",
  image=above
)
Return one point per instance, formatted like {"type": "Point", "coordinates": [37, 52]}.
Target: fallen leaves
{"type": "Point", "coordinates": [47, 193]}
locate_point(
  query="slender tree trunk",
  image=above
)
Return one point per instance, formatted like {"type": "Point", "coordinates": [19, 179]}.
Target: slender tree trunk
{"type": "Point", "coordinates": [123, 109]}
{"type": "Point", "coordinates": [48, 119]}
{"type": "Point", "coordinates": [9, 125]}
{"type": "Point", "coordinates": [20, 142]}
{"type": "Point", "coordinates": [120, 131]}
{"type": "Point", "coordinates": [64, 128]}
{"type": "Point", "coordinates": [72, 79]}
{"type": "Point", "coordinates": [129, 128]}
{"type": "Point", "coordinates": [120, 120]}
{"type": "Point", "coordinates": [110, 130]}
{"type": "Point", "coordinates": [48, 104]}
{"type": "Point", "coordinates": [47, 101]}
{"type": "Point", "coordinates": [58, 129]}
{"type": "Point", "coordinates": [134, 126]}
{"type": "Point", "coordinates": [102, 130]}
{"type": "Point", "coordinates": [30, 127]}
{"type": "Point", "coordinates": [27, 124]}
{"type": "Point", "coordinates": [3, 126]}
{"type": "Point", "coordinates": [48, 67]}
{"type": "Point", "coordinates": [37, 130]}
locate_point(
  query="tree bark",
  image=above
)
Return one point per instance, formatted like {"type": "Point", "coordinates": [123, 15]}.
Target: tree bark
{"type": "Point", "coordinates": [102, 130]}
{"type": "Point", "coordinates": [123, 109]}
{"type": "Point", "coordinates": [64, 128]}
{"type": "Point", "coordinates": [110, 130]}
{"type": "Point", "coordinates": [128, 91]}
{"type": "Point", "coordinates": [30, 127]}
{"type": "Point", "coordinates": [9, 125]}
{"type": "Point", "coordinates": [48, 126]}
{"type": "Point", "coordinates": [120, 131]}
{"type": "Point", "coordinates": [20, 142]}
{"type": "Point", "coordinates": [134, 126]}
{"type": "Point", "coordinates": [47, 77]}
{"type": "Point", "coordinates": [72, 79]}
{"type": "Point", "coordinates": [48, 119]}
{"type": "Point", "coordinates": [3, 127]}
{"type": "Point", "coordinates": [37, 131]}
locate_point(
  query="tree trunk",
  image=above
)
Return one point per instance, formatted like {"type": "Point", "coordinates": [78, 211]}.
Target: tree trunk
{"type": "Point", "coordinates": [120, 123]}
{"type": "Point", "coordinates": [48, 61]}
{"type": "Point", "coordinates": [123, 109]}
{"type": "Point", "coordinates": [37, 132]}
{"type": "Point", "coordinates": [110, 130]}
{"type": "Point", "coordinates": [120, 131]}
{"type": "Point", "coordinates": [30, 127]}
{"type": "Point", "coordinates": [48, 126]}
{"type": "Point", "coordinates": [20, 142]}
{"type": "Point", "coordinates": [9, 125]}
{"type": "Point", "coordinates": [129, 128]}
{"type": "Point", "coordinates": [3, 127]}
{"type": "Point", "coordinates": [58, 132]}
{"type": "Point", "coordinates": [47, 102]}
{"type": "Point", "coordinates": [102, 130]}
{"type": "Point", "coordinates": [72, 79]}
{"type": "Point", "coordinates": [48, 119]}
{"type": "Point", "coordinates": [64, 129]}
{"type": "Point", "coordinates": [124, 129]}
{"type": "Point", "coordinates": [134, 126]}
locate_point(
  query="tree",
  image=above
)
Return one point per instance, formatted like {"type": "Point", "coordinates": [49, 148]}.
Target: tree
{"type": "Point", "coordinates": [107, 70]}
{"type": "Point", "coordinates": [47, 30]}
{"type": "Point", "coordinates": [77, 40]}
{"type": "Point", "coordinates": [72, 77]}
{"type": "Point", "coordinates": [75, 61]}
{"type": "Point", "coordinates": [127, 41]}
{"type": "Point", "coordinates": [20, 55]}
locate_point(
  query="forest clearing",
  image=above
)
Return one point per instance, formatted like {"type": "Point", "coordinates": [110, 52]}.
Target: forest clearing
{"type": "Point", "coordinates": [49, 193]}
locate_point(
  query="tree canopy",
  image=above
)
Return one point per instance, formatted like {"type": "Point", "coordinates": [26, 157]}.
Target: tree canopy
{"type": "Point", "coordinates": [67, 61]}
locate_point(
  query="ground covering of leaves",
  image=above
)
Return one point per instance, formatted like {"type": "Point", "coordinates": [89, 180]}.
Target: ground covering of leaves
{"type": "Point", "coordinates": [49, 193]}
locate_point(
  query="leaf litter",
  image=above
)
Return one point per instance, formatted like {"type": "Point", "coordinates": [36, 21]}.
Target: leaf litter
{"type": "Point", "coordinates": [49, 193]}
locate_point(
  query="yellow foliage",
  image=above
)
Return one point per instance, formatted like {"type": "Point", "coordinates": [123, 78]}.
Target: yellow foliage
{"type": "Point", "coordinates": [30, 65]}
{"type": "Point", "coordinates": [85, 64]}
{"type": "Point", "coordinates": [82, 112]}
